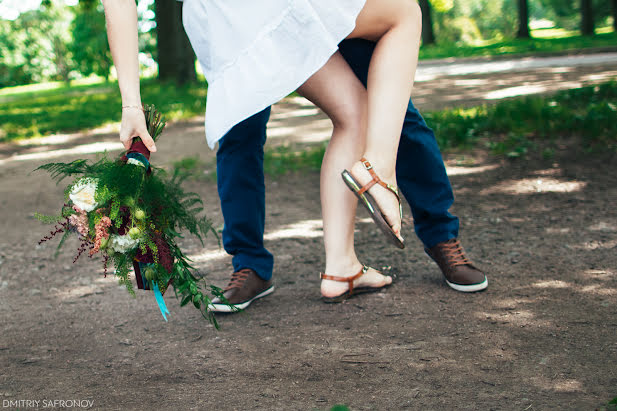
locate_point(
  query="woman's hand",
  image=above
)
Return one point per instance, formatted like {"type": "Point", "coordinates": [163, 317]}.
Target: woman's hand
{"type": "Point", "coordinates": [134, 125]}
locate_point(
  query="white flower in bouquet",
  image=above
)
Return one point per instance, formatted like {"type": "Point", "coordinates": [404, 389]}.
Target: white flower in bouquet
{"type": "Point", "coordinates": [82, 194]}
{"type": "Point", "coordinates": [122, 243]}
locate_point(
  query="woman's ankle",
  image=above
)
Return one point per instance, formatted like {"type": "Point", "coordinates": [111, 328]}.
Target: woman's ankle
{"type": "Point", "coordinates": [385, 171]}
{"type": "Point", "coordinates": [343, 267]}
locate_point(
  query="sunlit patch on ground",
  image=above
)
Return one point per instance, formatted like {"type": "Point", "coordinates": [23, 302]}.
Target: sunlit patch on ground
{"type": "Point", "coordinates": [302, 229]}
{"type": "Point", "coordinates": [603, 226]}
{"type": "Point", "coordinates": [304, 112]}
{"type": "Point", "coordinates": [512, 303]}
{"type": "Point", "coordinates": [560, 385]}
{"type": "Point", "coordinates": [297, 119]}
{"type": "Point", "coordinates": [515, 317]}
{"type": "Point", "coordinates": [558, 70]}
{"type": "Point", "coordinates": [208, 256]}
{"type": "Point", "coordinates": [596, 244]}
{"type": "Point", "coordinates": [552, 284]}
{"type": "Point", "coordinates": [609, 75]}
{"type": "Point", "coordinates": [548, 172]}
{"type": "Point", "coordinates": [79, 291]}
{"type": "Point", "coordinates": [603, 275]}
{"type": "Point", "coordinates": [535, 185]}
{"type": "Point", "coordinates": [82, 149]}
{"type": "Point", "coordinates": [514, 92]}
{"type": "Point", "coordinates": [596, 289]}
{"type": "Point", "coordinates": [457, 171]}
{"type": "Point", "coordinates": [562, 230]}
{"type": "Point", "coordinates": [274, 131]}
{"type": "Point", "coordinates": [471, 82]}
{"type": "Point", "coordinates": [428, 72]}
{"type": "Point", "coordinates": [56, 139]}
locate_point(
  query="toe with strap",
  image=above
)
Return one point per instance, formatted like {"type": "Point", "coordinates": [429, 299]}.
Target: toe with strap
{"type": "Point", "coordinates": [348, 280]}
{"type": "Point", "coordinates": [376, 180]}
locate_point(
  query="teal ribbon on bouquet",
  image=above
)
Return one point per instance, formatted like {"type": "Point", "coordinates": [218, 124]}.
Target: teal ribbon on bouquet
{"type": "Point", "coordinates": [140, 269]}
{"type": "Point", "coordinates": [159, 300]}
{"type": "Point", "coordinates": [143, 161]}
{"type": "Point", "coordinates": [138, 154]}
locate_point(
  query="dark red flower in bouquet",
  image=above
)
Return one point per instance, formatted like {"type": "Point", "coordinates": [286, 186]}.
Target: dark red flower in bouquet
{"type": "Point", "coordinates": [163, 254]}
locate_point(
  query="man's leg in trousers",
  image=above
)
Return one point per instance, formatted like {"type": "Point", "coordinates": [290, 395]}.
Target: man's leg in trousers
{"type": "Point", "coordinates": [420, 171]}
{"type": "Point", "coordinates": [240, 178]}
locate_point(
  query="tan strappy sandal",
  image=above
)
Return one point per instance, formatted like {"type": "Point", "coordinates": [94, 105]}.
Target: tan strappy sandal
{"type": "Point", "coordinates": [352, 290]}
{"type": "Point", "coordinates": [369, 201]}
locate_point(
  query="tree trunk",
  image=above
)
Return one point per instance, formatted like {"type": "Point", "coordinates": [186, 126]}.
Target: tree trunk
{"type": "Point", "coordinates": [186, 55]}
{"type": "Point", "coordinates": [615, 15]}
{"type": "Point", "coordinates": [587, 18]}
{"type": "Point", "coordinates": [175, 58]}
{"type": "Point", "coordinates": [523, 20]}
{"type": "Point", "coordinates": [428, 36]}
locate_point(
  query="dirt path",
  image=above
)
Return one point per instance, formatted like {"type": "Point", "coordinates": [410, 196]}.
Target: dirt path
{"type": "Point", "coordinates": [542, 336]}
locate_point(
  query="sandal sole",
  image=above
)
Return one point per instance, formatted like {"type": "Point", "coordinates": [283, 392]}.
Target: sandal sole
{"type": "Point", "coordinates": [356, 291]}
{"type": "Point", "coordinates": [373, 208]}
{"type": "Point", "coordinates": [234, 308]}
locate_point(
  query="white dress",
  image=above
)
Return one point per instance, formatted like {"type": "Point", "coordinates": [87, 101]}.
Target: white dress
{"type": "Point", "coordinates": [255, 52]}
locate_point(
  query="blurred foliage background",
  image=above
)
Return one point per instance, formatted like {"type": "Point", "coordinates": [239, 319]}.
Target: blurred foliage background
{"type": "Point", "coordinates": [56, 72]}
{"type": "Point", "coordinates": [60, 41]}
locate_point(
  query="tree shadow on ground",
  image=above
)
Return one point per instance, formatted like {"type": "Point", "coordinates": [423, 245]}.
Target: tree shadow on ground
{"type": "Point", "coordinates": [541, 336]}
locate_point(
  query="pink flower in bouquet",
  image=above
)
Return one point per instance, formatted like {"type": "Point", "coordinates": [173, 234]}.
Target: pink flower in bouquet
{"type": "Point", "coordinates": [101, 233]}
{"type": "Point", "coordinates": [79, 221]}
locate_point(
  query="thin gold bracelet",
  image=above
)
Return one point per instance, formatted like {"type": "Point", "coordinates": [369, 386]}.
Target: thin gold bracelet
{"type": "Point", "coordinates": [137, 107]}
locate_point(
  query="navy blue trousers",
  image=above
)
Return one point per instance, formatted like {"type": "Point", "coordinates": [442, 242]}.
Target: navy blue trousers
{"type": "Point", "coordinates": [420, 174]}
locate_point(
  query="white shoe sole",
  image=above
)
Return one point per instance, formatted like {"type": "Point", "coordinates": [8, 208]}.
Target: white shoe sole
{"type": "Point", "coordinates": [469, 288]}
{"type": "Point", "coordinates": [224, 308]}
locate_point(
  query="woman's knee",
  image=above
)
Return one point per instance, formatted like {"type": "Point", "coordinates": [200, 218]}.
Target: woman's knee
{"type": "Point", "coordinates": [380, 16]}
{"type": "Point", "coordinates": [410, 14]}
{"type": "Point", "coordinates": [351, 115]}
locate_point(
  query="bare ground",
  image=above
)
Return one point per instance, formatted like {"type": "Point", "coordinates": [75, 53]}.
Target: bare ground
{"type": "Point", "coordinates": [541, 337]}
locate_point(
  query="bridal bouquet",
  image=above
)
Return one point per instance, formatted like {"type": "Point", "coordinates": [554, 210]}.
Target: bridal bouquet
{"type": "Point", "coordinates": [131, 213]}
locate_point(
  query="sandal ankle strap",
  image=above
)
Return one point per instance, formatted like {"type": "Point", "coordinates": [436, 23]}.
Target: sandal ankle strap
{"type": "Point", "coordinates": [348, 280]}
{"type": "Point", "coordinates": [376, 180]}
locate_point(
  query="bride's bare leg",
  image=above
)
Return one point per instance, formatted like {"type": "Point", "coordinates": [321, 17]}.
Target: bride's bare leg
{"type": "Point", "coordinates": [337, 91]}
{"type": "Point", "coordinates": [396, 27]}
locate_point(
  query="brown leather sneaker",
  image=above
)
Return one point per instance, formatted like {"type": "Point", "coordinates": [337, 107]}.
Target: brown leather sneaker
{"type": "Point", "coordinates": [244, 287]}
{"type": "Point", "coordinates": [459, 272]}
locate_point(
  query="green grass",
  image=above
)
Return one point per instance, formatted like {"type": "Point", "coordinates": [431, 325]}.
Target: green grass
{"type": "Point", "coordinates": [552, 43]}
{"type": "Point", "coordinates": [284, 159]}
{"type": "Point", "coordinates": [52, 108]}
{"type": "Point", "coordinates": [514, 127]}
{"type": "Point", "coordinates": [278, 161]}
{"type": "Point", "coordinates": [609, 406]}
{"type": "Point", "coordinates": [39, 110]}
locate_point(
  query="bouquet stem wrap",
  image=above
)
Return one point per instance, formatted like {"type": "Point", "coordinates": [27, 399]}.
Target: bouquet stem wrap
{"type": "Point", "coordinates": [138, 152]}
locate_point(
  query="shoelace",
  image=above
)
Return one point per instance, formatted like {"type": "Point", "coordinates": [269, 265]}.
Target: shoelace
{"type": "Point", "coordinates": [238, 279]}
{"type": "Point", "coordinates": [453, 252]}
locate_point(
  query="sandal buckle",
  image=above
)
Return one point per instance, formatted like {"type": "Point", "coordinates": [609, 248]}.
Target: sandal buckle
{"type": "Point", "coordinates": [366, 164]}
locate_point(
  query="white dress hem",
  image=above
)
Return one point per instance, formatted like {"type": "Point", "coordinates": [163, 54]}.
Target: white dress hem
{"type": "Point", "coordinates": [269, 69]}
